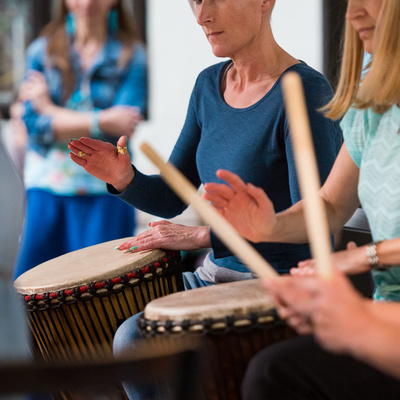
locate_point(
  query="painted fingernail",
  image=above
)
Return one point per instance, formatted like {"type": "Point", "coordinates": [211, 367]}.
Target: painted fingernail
{"type": "Point", "coordinates": [133, 248]}
{"type": "Point", "coordinates": [116, 248]}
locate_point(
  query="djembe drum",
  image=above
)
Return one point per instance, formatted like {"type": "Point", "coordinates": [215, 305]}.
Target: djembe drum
{"type": "Point", "coordinates": [235, 319]}
{"type": "Point", "coordinates": [77, 301]}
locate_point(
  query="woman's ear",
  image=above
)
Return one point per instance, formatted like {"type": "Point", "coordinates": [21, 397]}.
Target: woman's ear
{"type": "Point", "coordinates": [268, 5]}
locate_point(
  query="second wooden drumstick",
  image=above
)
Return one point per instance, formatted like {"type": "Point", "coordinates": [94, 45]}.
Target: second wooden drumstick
{"type": "Point", "coordinates": [306, 165]}
{"type": "Point", "coordinates": [188, 193]}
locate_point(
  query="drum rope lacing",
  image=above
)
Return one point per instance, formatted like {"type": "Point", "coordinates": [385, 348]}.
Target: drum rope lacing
{"type": "Point", "coordinates": [165, 267]}
{"type": "Point", "coordinates": [215, 326]}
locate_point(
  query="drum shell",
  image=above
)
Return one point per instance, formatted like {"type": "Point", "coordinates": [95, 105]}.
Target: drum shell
{"type": "Point", "coordinates": [229, 343]}
{"type": "Point", "coordinates": [81, 322]}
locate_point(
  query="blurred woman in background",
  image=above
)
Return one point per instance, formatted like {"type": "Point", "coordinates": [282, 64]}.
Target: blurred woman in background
{"type": "Point", "coordinates": [85, 76]}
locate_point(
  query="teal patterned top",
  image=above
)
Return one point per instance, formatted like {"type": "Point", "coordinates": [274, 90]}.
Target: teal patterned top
{"type": "Point", "coordinates": [373, 142]}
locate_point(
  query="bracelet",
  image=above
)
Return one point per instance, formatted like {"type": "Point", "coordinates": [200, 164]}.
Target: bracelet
{"type": "Point", "coordinates": [95, 131]}
{"type": "Point", "coordinates": [372, 257]}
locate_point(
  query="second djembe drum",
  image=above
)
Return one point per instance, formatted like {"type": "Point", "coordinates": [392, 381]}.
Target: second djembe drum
{"type": "Point", "coordinates": [235, 321]}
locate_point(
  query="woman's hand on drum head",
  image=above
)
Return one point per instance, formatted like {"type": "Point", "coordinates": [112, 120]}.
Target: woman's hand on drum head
{"type": "Point", "coordinates": [243, 205]}
{"type": "Point", "coordinates": [104, 161]}
{"type": "Point", "coordinates": [169, 236]}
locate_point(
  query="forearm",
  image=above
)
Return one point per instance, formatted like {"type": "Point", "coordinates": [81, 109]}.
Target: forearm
{"type": "Point", "coordinates": [67, 124]}
{"type": "Point", "coordinates": [291, 225]}
{"type": "Point", "coordinates": [152, 195]}
{"type": "Point", "coordinates": [386, 312]}
{"type": "Point", "coordinates": [388, 252]}
{"type": "Point", "coordinates": [203, 237]}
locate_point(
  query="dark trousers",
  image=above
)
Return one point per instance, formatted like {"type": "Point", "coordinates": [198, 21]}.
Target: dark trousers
{"type": "Point", "coordinates": [299, 369]}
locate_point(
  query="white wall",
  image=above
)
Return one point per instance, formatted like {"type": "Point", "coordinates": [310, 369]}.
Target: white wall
{"type": "Point", "coordinates": [178, 51]}
{"type": "Point", "coordinates": [298, 28]}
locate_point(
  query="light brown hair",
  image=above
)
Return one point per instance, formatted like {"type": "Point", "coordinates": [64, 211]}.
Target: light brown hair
{"type": "Point", "coordinates": [58, 49]}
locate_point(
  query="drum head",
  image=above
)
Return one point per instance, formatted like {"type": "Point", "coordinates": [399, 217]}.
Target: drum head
{"type": "Point", "coordinates": [217, 301]}
{"type": "Point", "coordinates": [86, 266]}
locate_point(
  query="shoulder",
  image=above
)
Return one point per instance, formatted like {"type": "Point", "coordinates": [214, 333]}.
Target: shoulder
{"type": "Point", "coordinates": [213, 72]}
{"type": "Point", "coordinates": [355, 125]}
{"type": "Point", "coordinates": [352, 115]}
{"type": "Point", "coordinates": [317, 88]}
{"type": "Point", "coordinates": [139, 53]}
{"type": "Point", "coordinates": [138, 56]}
{"type": "Point", "coordinates": [365, 119]}
{"type": "Point", "coordinates": [311, 78]}
{"type": "Point", "coordinates": [38, 47]}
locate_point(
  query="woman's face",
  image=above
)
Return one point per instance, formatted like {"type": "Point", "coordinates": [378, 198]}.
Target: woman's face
{"type": "Point", "coordinates": [363, 15]}
{"type": "Point", "coordinates": [90, 10]}
{"type": "Point", "coordinates": [229, 25]}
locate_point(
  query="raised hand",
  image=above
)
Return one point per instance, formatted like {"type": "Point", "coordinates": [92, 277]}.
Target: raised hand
{"type": "Point", "coordinates": [246, 207]}
{"type": "Point", "coordinates": [35, 89]}
{"type": "Point", "coordinates": [104, 161]}
{"type": "Point", "coordinates": [166, 235]}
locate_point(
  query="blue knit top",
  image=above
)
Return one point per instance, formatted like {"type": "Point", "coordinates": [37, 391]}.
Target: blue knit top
{"type": "Point", "coordinates": [253, 142]}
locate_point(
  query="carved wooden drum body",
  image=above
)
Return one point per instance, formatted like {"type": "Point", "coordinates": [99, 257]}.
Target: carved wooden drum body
{"type": "Point", "coordinates": [235, 319]}
{"type": "Point", "coordinates": [77, 301]}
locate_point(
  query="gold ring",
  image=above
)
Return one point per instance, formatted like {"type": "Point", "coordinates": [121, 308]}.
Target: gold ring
{"type": "Point", "coordinates": [122, 150]}
{"type": "Point", "coordinates": [81, 154]}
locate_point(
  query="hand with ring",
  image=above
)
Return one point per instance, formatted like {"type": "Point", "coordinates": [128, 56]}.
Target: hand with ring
{"type": "Point", "coordinates": [104, 161]}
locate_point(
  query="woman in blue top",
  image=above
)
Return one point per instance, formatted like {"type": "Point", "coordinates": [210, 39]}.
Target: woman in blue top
{"type": "Point", "coordinates": [367, 170]}
{"type": "Point", "coordinates": [85, 76]}
{"type": "Point", "coordinates": [236, 120]}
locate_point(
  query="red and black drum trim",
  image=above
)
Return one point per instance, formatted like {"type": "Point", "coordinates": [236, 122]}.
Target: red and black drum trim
{"type": "Point", "coordinates": [169, 265]}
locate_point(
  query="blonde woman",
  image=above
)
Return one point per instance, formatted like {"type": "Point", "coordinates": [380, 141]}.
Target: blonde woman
{"type": "Point", "coordinates": [366, 171]}
{"type": "Point", "coordinates": [367, 166]}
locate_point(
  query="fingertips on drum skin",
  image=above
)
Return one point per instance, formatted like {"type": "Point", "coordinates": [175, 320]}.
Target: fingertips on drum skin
{"type": "Point", "coordinates": [124, 246]}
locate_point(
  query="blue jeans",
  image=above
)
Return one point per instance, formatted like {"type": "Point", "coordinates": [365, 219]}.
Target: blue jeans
{"type": "Point", "coordinates": [128, 337]}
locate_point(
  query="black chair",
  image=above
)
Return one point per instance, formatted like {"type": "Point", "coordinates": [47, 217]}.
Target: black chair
{"type": "Point", "coordinates": [357, 230]}
{"type": "Point", "coordinates": [174, 366]}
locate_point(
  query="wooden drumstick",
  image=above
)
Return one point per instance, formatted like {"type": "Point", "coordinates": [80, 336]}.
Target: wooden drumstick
{"type": "Point", "coordinates": [227, 234]}
{"type": "Point", "coordinates": [306, 164]}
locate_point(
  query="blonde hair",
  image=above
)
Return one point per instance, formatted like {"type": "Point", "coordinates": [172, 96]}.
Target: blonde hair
{"type": "Point", "coordinates": [58, 49]}
{"type": "Point", "coordinates": [380, 87]}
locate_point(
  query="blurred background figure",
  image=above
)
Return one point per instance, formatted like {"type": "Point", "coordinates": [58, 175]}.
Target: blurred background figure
{"type": "Point", "coordinates": [13, 327]}
{"type": "Point", "coordinates": [85, 76]}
